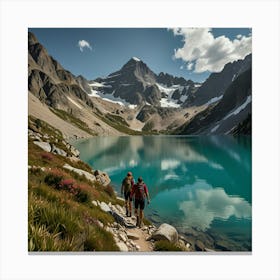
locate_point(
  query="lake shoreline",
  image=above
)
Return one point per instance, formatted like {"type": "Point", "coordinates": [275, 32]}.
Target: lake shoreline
{"type": "Point", "coordinates": [212, 240]}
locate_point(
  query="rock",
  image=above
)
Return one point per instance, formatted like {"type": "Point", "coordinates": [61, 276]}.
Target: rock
{"type": "Point", "coordinates": [102, 177]}
{"type": "Point", "coordinates": [137, 247]}
{"type": "Point", "coordinates": [166, 232]}
{"type": "Point", "coordinates": [43, 145]}
{"type": "Point", "coordinates": [58, 151]}
{"type": "Point", "coordinates": [199, 246]}
{"type": "Point", "coordinates": [105, 207]}
{"type": "Point", "coordinates": [123, 237]}
{"type": "Point", "coordinates": [94, 203]}
{"type": "Point", "coordinates": [132, 243]}
{"type": "Point", "coordinates": [81, 172]}
{"type": "Point", "coordinates": [181, 243]}
{"type": "Point", "coordinates": [132, 236]}
{"type": "Point", "coordinates": [74, 151]}
{"type": "Point", "coordinates": [100, 224]}
{"type": "Point", "coordinates": [120, 198]}
{"type": "Point", "coordinates": [122, 246]}
{"type": "Point", "coordinates": [209, 250]}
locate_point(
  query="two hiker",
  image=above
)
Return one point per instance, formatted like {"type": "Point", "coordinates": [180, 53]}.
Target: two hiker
{"type": "Point", "coordinates": [140, 192]}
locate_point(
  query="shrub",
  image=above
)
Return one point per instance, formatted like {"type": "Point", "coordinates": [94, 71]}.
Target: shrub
{"type": "Point", "coordinates": [164, 245]}
{"type": "Point", "coordinates": [54, 177]}
{"type": "Point", "coordinates": [47, 156]}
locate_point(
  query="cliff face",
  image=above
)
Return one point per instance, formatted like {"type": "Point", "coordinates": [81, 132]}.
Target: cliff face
{"type": "Point", "coordinates": [49, 81]}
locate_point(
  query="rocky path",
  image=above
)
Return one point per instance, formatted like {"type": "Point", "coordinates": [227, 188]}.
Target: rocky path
{"type": "Point", "coordinates": [144, 245]}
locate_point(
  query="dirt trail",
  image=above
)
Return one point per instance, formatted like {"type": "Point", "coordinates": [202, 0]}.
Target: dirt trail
{"type": "Point", "coordinates": [145, 246]}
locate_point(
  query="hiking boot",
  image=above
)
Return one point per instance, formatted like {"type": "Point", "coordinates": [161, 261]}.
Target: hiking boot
{"type": "Point", "coordinates": [137, 221]}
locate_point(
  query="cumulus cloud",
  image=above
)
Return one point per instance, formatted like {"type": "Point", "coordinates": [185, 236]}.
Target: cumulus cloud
{"type": "Point", "coordinates": [84, 44]}
{"type": "Point", "coordinates": [208, 205]}
{"type": "Point", "coordinates": [202, 52]}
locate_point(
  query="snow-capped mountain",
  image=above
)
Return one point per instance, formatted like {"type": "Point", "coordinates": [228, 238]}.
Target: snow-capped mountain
{"type": "Point", "coordinates": [217, 83]}
{"type": "Point", "coordinates": [168, 104]}
{"type": "Point", "coordinates": [228, 113]}
{"type": "Point", "coordinates": [135, 83]}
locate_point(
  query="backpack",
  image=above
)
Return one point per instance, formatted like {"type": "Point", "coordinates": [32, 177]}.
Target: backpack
{"type": "Point", "coordinates": [127, 184]}
{"type": "Point", "coordinates": [140, 191]}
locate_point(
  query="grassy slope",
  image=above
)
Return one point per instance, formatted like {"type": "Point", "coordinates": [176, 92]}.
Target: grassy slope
{"type": "Point", "coordinates": [61, 216]}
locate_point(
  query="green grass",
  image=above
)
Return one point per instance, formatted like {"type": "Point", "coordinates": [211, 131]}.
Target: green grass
{"type": "Point", "coordinates": [73, 120]}
{"type": "Point", "coordinates": [114, 122]}
{"type": "Point", "coordinates": [60, 219]}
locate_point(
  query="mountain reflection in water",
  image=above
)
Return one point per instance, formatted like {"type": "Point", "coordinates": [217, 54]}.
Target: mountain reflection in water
{"type": "Point", "coordinates": [194, 182]}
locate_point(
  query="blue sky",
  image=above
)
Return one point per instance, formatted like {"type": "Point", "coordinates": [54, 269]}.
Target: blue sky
{"type": "Point", "coordinates": [190, 53]}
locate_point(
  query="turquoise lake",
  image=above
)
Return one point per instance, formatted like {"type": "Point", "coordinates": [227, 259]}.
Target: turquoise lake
{"type": "Point", "coordinates": [201, 185]}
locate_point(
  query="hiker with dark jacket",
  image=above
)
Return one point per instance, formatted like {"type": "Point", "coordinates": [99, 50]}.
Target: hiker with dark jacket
{"type": "Point", "coordinates": [140, 191]}
{"type": "Point", "coordinates": [127, 185]}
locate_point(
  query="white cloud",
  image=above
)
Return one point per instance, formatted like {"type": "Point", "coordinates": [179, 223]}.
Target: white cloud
{"type": "Point", "coordinates": [84, 44]}
{"type": "Point", "coordinates": [190, 66]}
{"type": "Point", "coordinates": [181, 67]}
{"type": "Point", "coordinates": [211, 204]}
{"type": "Point", "coordinates": [206, 53]}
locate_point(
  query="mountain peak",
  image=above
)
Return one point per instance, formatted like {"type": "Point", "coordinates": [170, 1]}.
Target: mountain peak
{"type": "Point", "coordinates": [136, 58]}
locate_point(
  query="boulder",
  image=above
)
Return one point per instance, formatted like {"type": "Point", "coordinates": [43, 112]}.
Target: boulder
{"type": "Point", "coordinates": [81, 172]}
{"type": "Point", "coordinates": [102, 177]}
{"type": "Point", "coordinates": [43, 145]}
{"type": "Point", "coordinates": [105, 207]}
{"type": "Point", "coordinates": [122, 246]}
{"type": "Point", "coordinates": [58, 151]}
{"type": "Point", "coordinates": [166, 232]}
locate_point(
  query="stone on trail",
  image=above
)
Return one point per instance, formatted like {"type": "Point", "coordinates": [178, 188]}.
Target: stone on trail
{"type": "Point", "coordinates": [122, 246]}
{"type": "Point", "coordinates": [132, 236]}
{"type": "Point", "coordinates": [123, 237]}
{"type": "Point", "coordinates": [166, 232]}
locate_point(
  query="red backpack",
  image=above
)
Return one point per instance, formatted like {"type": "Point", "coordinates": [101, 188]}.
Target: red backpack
{"type": "Point", "coordinates": [140, 191]}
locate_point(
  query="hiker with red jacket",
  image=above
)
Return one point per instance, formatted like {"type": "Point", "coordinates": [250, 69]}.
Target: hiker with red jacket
{"type": "Point", "coordinates": [127, 185]}
{"type": "Point", "coordinates": [140, 191]}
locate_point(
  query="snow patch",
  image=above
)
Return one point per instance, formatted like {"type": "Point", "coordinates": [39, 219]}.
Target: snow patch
{"type": "Point", "coordinates": [136, 58]}
{"type": "Point", "coordinates": [164, 102]}
{"type": "Point", "coordinates": [132, 106]}
{"type": "Point", "coordinates": [214, 99]}
{"type": "Point", "coordinates": [96, 84]}
{"type": "Point", "coordinates": [168, 101]}
{"type": "Point", "coordinates": [183, 98]}
{"type": "Point", "coordinates": [240, 108]}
